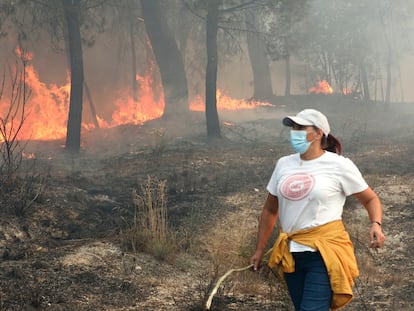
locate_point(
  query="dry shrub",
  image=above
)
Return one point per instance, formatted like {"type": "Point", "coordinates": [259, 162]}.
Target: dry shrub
{"type": "Point", "coordinates": [21, 194]}
{"type": "Point", "coordinates": [149, 229]}
{"type": "Point", "coordinates": [159, 143]}
{"type": "Point", "coordinates": [17, 193]}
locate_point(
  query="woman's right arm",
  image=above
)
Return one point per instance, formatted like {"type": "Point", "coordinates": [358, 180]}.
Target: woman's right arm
{"type": "Point", "coordinates": [267, 221]}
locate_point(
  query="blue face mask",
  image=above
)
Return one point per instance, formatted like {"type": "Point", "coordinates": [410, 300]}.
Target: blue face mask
{"type": "Point", "coordinates": [298, 141]}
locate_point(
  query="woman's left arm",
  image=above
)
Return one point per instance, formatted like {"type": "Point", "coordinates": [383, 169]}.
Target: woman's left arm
{"type": "Point", "coordinates": [372, 204]}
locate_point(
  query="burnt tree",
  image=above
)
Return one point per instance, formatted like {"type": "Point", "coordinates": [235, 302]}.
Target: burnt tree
{"type": "Point", "coordinates": [256, 47]}
{"type": "Point", "coordinates": [288, 75]}
{"type": "Point", "coordinates": [365, 83]}
{"type": "Point", "coordinates": [212, 120]}
{"type": "Point", "coordinates": [131, 21]}
{"type": "Point", "coordinates": [168, 59]}
{"type": "Point", "coordinates": [73, 136]}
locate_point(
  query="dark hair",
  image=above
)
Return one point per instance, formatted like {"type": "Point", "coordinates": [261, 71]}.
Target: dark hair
{"type": "Point", "coordinates": [331, 143]}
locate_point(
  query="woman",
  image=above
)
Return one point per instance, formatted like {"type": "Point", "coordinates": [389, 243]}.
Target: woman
{"type": "Point", "coordinates": [307, 192]}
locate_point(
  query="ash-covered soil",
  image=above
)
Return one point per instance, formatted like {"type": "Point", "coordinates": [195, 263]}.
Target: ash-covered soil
{"type": "Point", "coordinates": [66, 249]}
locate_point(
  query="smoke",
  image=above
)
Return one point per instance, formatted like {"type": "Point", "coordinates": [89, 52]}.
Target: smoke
{"type": "Point", "coordinates": [108, 62]}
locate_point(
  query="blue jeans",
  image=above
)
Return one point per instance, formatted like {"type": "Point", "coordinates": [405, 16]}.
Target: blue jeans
{"type": "Point", "coordinates": [309, 285]}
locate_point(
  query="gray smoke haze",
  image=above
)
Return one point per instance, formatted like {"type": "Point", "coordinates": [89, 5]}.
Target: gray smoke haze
{"type": "Point", "coordinates": [347, 30]}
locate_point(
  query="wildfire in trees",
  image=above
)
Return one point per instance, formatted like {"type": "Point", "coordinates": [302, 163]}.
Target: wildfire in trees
{"type": "Point", "coordinates": [346, 91]}
{"type": "Point", "coordinates": [46, 110]}
{"type": "Point", "coordinates": [225, 102]}
{"type": "Point", "coordinates": [147, 107]}
{"type": "Point", "coordinates": [322, 87]}
{"type": "Point", "coordinates": [23, 54]}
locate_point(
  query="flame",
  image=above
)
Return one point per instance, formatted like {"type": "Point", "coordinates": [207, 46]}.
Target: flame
{"type": "Point", "coordinates": [225, 102]}
{"type": "Point", "coordinates": [323, 87]}
{"type": "Point", "coordinates": [148, 107]}
{"type": "Point", "coordinates": [47, 108]}
{"type": "Point", "coordinates": [29, 155]}
{"type": "Point", "coordinates": [45, 112]}
{"type": "Point", "coordinates": [23, 54]}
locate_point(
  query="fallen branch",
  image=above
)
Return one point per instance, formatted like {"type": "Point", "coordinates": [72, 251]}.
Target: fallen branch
{"type": "Point", "coordinates": [214, 291]}
{"type": "Point", "coordinates": [223, 277]}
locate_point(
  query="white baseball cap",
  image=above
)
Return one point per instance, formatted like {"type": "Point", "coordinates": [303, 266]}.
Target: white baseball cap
{"type": "Point", "coordinates": [309, 117]}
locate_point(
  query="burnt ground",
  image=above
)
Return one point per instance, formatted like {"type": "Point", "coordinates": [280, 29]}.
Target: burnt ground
{"type": "Point", "coordinates": [63, 235]}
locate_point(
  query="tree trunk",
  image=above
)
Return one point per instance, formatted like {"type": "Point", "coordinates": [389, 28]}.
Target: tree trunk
{"type": "Point", "coordinates": [389, 79]}
{"type": "Point", "coordinates": [133, 63]}
{"type": "Point", "coordinates": [262, 82]}
{"type": "Point", "coordinates": [168, 59]}
{"type": "Point", "coordinates": [365, 84]}
{"type": "Point", "coordinates": [132, 25]}
{"type": "Point", "coordinates": [288, 75]}
{"type": "Point", "coordinates": [73, 136]}
{"type": "Point", "coordinates": [401, 83]}
{"type": "Point", "coordinates": [91, 105]}
{"type": "Point", "coordinates": [213, 124]}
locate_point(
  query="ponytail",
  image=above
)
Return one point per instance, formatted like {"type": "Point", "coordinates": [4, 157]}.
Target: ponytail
{"type": "Point", "coordinates": [332, 144]}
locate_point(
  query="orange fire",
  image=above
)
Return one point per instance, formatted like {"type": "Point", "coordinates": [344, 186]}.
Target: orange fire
{"type": "Point", "coordinates": [47, 107]}
{"type": "Point", "coordinates": [148, 107]}
{"type": "Point", "coordinates": [23, 54]}
{"type": "Point", "coordinates": [323, 87]}
{"type": "Point", "coordinates": [29, 155]}
{"type": "Point", "coordinates": [225, 102]}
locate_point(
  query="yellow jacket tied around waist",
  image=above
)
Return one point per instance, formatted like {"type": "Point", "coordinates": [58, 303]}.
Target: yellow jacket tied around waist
{"type": "Point", "coordinates": [336, 249]}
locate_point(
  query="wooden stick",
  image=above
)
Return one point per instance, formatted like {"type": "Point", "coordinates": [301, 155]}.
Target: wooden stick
{"type": "Point", "coordinates": [214, 291]}
{"type": "Point", "coordinates": [223, 277]}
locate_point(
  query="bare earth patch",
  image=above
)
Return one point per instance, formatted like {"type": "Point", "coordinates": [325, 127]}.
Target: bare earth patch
{"type": "Point", "coordinates": [68, 251]}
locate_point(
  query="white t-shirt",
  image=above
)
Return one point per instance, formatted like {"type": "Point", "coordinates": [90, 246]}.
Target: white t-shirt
{"type": "Point", "coordinates": [312, 193]}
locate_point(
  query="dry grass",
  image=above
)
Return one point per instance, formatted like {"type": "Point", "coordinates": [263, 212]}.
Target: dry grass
{"type": "Point", "coordinates": [149, 230]}
{"type": "Point", "coordinates": [159, 141]}
{"type": "Point", "coordinates": [231, 242]}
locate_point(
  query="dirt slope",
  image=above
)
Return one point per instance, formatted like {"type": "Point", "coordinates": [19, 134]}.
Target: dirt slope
{"type": "Point", "coordinates": [67, 252]}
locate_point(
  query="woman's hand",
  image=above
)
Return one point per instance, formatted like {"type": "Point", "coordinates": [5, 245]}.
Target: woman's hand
{"type": "Point", "coordinates": [372, 204]}
{"type": "Point", "coordinates": [256, 260]}
{"type": "Point", "coordinates": [376, 236]}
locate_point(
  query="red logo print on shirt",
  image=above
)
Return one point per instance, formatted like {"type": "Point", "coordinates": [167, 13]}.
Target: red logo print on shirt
{"type": "Point", "coordinates": [297, 186]}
